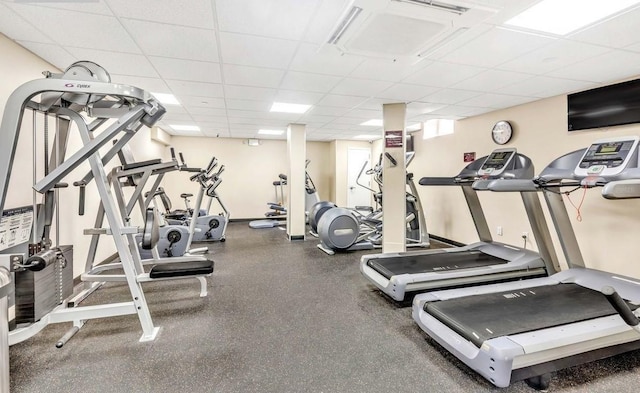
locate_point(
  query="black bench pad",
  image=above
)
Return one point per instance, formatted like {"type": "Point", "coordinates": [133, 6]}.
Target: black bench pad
{"type": "Point", "coordinates": [181, 269]}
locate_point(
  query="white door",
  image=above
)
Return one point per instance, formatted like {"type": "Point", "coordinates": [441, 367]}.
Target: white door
{"type": "Point", "coordinates": [357, 195]}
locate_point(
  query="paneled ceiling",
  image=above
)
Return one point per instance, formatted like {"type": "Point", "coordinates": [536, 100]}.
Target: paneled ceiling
{"type": "Point", "coordinates": [227, 61]}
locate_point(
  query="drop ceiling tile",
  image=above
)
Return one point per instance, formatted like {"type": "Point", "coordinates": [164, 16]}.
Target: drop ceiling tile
{"type": "Point", "coordinates": [204, 102]}
{"type": "Point", "coordinates": [450, 96]}
{"type": "Point", "coordinates": [420, 108]}
{"type": "Point", "coordinates": [280, 19]}
{"type": "Point", "coordinates": [609, 67]}
{"type": "Point", "coordinates": [318, 119]}
{"type": "Point", "coordinates": [545, 86]}
{"type": "Point", "coordinates": [633, 47]}
{"type": "Point", "coordinates": [495, 47]}
{"type": "Point", "coordinates": [325, 18]}
{"type": "Point", "coordinates": [297, 97]}
{"type": "Point", "coordinates": [185, 88]}
{"type": "Point", "coordinates": [18, 29]}
{"type": "Point", "coordinates": [89, 7]}
{"type": "Point", "coordinates": [213, 125]}
{"type": "Point", "coordinates": [197, 14]}
{"type": "Point", "coordinates": [250, 105]}
{"type": "Point", "coordinates": [553, 56]}
{"type": "Point", "coordinates": [386, 70]}
{"type": "Point", "coordinates": [451, 45]}
{"type": "Point", "coordinates": [376, 103]}
{"type": "Point", "coordinates": [364, 114]}
{"type": "Point", "coordinates": [198, 110]}
{"type": "Point", "coordinates": [161, 39]}
{"type": "Point", "coordinates": [216, 133]}
{"type": "Point", "coordinates": [441, 74]}
{"type": "Point", "coordinates": [327, 110]}
{"type": "Point", "coordinates": [352, 122]}
{"type": "Point", "coordinates": [155, 85]}
{"type": "Point", "coordinates": [460, 110]}
{"type": "Point", "coordinates": [82, 32]}
{"type": "Point", "coordinates": [323, 60]}
{"type": "Point", "coordinates": [256, 51]}
{"type": "Point", "coordinates": [251, 76]}
{"type": "Point", "coordinates": [187, 70]}
{"type": "Point", "coordinates": [235, 122]}
{"type": "Point", "coordinates": [249, 93]}
{"type": "Point", "coordinates": [360, 87]}
{"type": "Point", "coordinates": [491, 80]}
{"type": "Point", "coordinates": [617, 32]}
{"type": "Point", "coordinates": [342, 101]}
{"type": "Point", "coordinates": [117, 63]}
{"type": "Point", "coordinates": [404, 92]}
{"type": "Point", "coordinates": [170, 117]}
{"type": "Point", "coordinates": [495, 101]}
{"type": "Point", "coordinates": [54, 54]}
{"type": "Point", "coordinates": [210, 118]}
{"type": "Point", "coordinates": [309, 82]}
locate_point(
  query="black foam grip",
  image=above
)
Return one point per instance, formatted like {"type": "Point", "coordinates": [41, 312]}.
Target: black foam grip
{"type": "Point", "coordinates": [173, 153]}
{"type": "Point", "coordinates": [81, 200]}
{"type": "Point", "coordinates": [390, 157]}
{"type": "Point", "coordinates": [620, 305]}
{"type": "Point", "coordinates": [182, 159]}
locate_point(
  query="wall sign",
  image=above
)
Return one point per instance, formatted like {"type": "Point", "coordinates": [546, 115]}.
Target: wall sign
{"type": "Point", "coordinates": [393, 138]}
{"type": "Point", "coordinates": [15, 226]}
{"type": "Point", "coordinates": [469, 157]}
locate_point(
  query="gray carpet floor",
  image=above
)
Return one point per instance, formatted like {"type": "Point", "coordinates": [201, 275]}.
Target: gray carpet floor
{"type": "Point", "coordinates": [280, 317]}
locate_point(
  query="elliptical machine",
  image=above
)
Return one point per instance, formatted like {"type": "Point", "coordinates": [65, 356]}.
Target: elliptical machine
{"type": "Point", "coordinates": [341, 229]}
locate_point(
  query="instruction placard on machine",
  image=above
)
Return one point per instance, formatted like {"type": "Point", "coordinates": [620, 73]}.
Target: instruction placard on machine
{"type": "Point", "coordinates": [15, 226]}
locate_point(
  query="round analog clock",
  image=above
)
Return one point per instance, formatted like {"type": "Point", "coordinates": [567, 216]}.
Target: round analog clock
{"type": "Point", "coordinates": [502, 132]}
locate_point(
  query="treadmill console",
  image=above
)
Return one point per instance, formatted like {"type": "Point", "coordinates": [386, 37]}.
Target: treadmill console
{"type": "Point", "coordinates": [497, 162]}
{"type": "Point", "coordinates": [607, 157]}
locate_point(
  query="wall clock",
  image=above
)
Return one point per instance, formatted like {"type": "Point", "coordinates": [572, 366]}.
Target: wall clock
{"type": "Point", "coordinates": [502, 132]}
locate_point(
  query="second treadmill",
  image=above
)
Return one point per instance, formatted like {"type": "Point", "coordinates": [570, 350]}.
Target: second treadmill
{"type": "Point", "coordinates": [398, 274]}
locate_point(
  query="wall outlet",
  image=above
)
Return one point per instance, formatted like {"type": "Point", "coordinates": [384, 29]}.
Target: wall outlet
{"type": "Point", "coordinates": [499, 231]}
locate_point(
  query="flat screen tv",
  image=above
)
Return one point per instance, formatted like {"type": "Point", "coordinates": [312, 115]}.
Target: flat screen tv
{"type": "Point", "coordinates": [606, 106]}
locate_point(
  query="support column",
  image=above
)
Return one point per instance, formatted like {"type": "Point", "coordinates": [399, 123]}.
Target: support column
{"type": "Point", "coordinates": [296, 157]}
{"type": "Point", "coordinates": [394, 179]}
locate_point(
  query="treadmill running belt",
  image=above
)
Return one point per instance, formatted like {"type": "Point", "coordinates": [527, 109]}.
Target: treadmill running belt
{"type": "Point", "coordinates": [482, 317]}
{"type": "Point", "coordinates": [437, 262]}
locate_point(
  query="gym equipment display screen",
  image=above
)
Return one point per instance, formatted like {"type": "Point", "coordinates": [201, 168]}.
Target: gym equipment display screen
{"type": "Point", "coordinates": [497, 159]}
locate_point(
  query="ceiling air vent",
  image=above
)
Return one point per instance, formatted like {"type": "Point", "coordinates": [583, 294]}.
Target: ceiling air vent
{"type": "Point", "coordinates": [404, 31]}
{"type": "Point", "coordinates": [438, 5]}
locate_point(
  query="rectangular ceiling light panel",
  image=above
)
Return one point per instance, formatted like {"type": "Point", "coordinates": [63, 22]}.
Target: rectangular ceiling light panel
{"type": "Point", "coordinates": [289, 108]}
{"type": "Point", "coordinates": [373, 123]}
{"type": "Point", "coordinates": [166, 98]}
{"type": "Point", "coordinates": [270, 132]}
{"type": "Point", "coordinates": [184, 127]}
{"type": "Point", "coordinates": [562, 17]}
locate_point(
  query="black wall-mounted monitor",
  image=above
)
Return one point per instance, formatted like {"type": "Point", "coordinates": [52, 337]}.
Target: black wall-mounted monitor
{"type": "Point", "coordinates": [605, 106]}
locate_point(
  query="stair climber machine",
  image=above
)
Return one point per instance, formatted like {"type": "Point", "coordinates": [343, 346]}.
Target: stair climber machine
{"type": "Point", "coordinates": [401, 275]}
{"type": "Point", "coordinates": [341, 229]}
{"type": "Point", "coordinates": [524, 330]}
{"type": "Point", "coordinates": [42, 270]}
{"type": "Point", "coordinates": [278, 211]}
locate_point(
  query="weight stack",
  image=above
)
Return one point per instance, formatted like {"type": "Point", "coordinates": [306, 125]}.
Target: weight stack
{"type": "Point", "coordinates": [37, 293]}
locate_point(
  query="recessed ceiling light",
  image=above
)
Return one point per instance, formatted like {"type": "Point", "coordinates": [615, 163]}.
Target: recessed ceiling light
{"type": "Point", "coordinates": [289, 108]}
{"type": "Point", "coordinates": [368, 137]}
{"type": "Point", "coordinates": [271, 132]}
{"type": "Point", "coordinates": [165, 98]}
{"type": "Point", "coordinates": [372, 122]}
{"type": "Point", "coordinates": [562, 17]}
{"type": "Point", "coordinates": [184, 127]}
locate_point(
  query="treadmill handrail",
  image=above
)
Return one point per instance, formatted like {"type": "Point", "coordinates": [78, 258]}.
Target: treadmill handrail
{"type": "Point", "coordinates": [439, 181]}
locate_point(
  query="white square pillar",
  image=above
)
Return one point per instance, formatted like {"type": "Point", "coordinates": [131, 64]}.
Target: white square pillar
{"type": "Point", "coordinates": [296, 158]}
{"type": "Point", "coordinates": [394, 179]}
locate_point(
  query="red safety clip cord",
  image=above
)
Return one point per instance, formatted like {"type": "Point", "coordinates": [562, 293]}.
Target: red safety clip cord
{"type": "Point", "coordinates": [578, 213]}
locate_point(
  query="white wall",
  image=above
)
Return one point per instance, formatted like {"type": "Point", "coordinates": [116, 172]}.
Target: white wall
{"type": "Point", "coordinates": [247, 183]}
{"type": "Point", "coordinates": [609, 230]}
{"type": "Point", "coordinates": [17, 67]}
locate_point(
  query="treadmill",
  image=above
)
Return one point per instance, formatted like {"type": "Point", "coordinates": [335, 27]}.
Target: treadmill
{"type": "Point", "coordinates": [525, 330]}
{"type": "Point", "coordinates": [400, 275]}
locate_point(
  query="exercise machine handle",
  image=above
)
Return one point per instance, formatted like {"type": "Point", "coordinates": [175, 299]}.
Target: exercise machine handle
{"type": "Point", "coordinates": [391, 159]}
{"type": "Point", "coordinates": [621, 306]}
{"type": "Point", "coordinates": [83, 185]}
{"type": "Point", "coordinates": [184, 164]}
{"type": "Point", "coordinates": [173, 153]}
